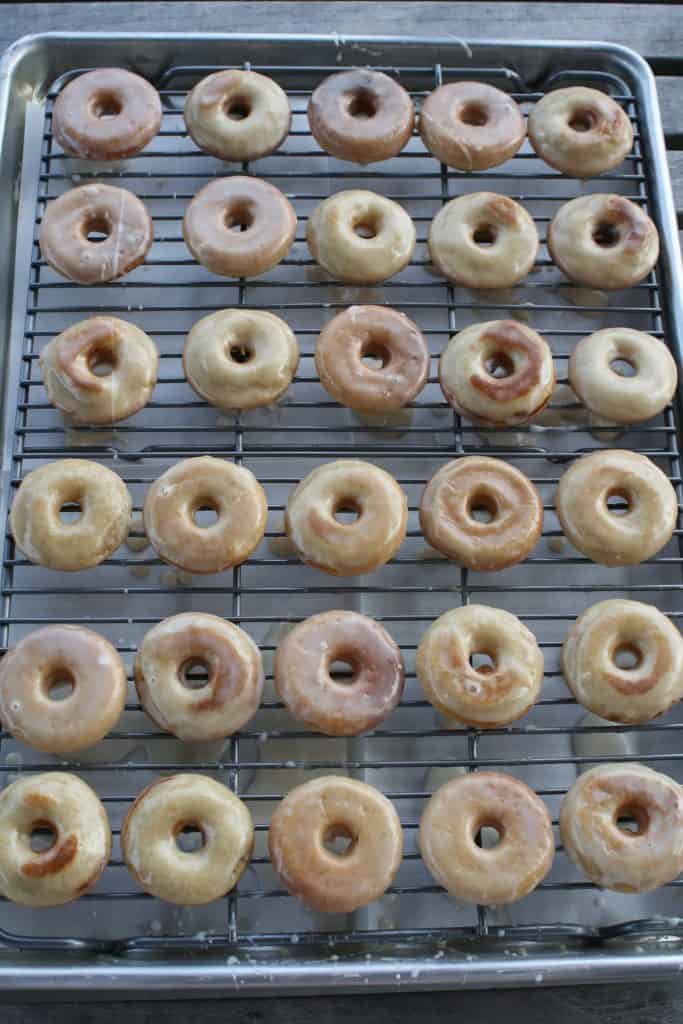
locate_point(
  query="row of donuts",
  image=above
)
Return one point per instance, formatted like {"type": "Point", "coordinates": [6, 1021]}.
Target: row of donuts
{"type": "Point", "coordinates": [243, 226]}
{"type": "Point", "coordinates": [498, 373]}
{"type": "Point", "coordinates": [359, 115]}
{"type": "Point", "coordinates": [480, 512]}
{"type": "Point", "coordinates": [489, 696]}
{"type": "Point", "coordinates": [311, 816]}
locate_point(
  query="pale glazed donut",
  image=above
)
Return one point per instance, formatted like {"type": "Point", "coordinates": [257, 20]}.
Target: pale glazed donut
{"type": "Point", "coordinates": [615, 858]}
{"type": "Point", "coordinates": [106, 114]}
{"type": "Point", "coordinates": [501, 874]}
{"type": "Point", "coordinates": [68, 364]}
{"type": "Point", "coordinates": [636, 694]}
{"type": "Point", "coordinates": [106, 210]}
{"type": "Point", "coordinates": [490, 696]}
{"type": "Point", "coordinates": [627, 539]}
{"type": "Point", "coordinates": [239, 226]}
{"type": "Point", "coordinates": [483, 240]}
{"type": "Point", "coordinates": [240, 358]}
{"type": "Point", "coordinates": [394, 340]}
{"type": "Point", "coordinates": [237, 115]}
{"type": "Point", "coordinates": [603, 241]}
{"type": "Point", "coordinates": [471, 125]}
{"type": "Point", "coordinates": [580, 131]}
{"type": "Point", "coordinates": [233, 688]}
{"type": "Point", "coordinates": [82, 839]}
{"type": "Point", "coordinates": [320, 811]}
{"type": "Point", "coordinates": [53, 655]}
{"type": "Point", "coordinates": [361, 115]}
{"type": "Point", "coordinates": [231, 491]}
{"type": "Point", "coordinates": [512, 502]}
{"type": "Point", "coordinates": [613, 396]}
{"type": "Point", "coordinates": [303, 677]}
{"type": "Point", "coordinates": [383, 249]}
{"type": "Point", "coordinates": [347, 549]}
{"type": "Point", "coordinates": [101, 528]}
{"type": "Point", "coordinates": [469, 365]}
{"type": "Point", "coordinates": [160, 813]}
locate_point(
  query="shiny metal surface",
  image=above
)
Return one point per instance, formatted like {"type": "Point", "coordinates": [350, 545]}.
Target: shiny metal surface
{"type": "Point", "coordinates": [260, 940]}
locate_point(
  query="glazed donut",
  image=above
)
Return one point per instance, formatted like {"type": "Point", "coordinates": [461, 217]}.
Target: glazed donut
{"type": "Point", "coordinates": [149, 842]}
{"type": "Point", "coordinates": [232, 692]}
{"type": "Point", "coordinates": [231, 491]}
{"type": "Point", "coordinates": [239, 226]}
{"type": "Point", "coordinates": [469, 373]}
{"type": "Point", "coordinates": [240, 358]}
{"type": "Point", "coordinates": [471, 126]}
{"type": "Point", "coordinates": [347, 549]}
{"type": "Point", "coordinates": [361, 115]}
{"type": "Point", "coordinates": [603, 241]}
{"type": "Point", "coordinates": [105, 507]}
{"type": "Point", "coordinates": [483, 240]}
{"type": "Point", "coordinates": [582, 504]}
{"type": "Point", "coordinates": [47, 657]}
{"type": "Point", "coordinates": [69, 364]}
{"type": "Point", "coordinates": [372, 331]}
{"type": "Point", "coordinates": [580, 131]}
{"type": "Point", "coordinates": [320, 811]}
{"type": "Point", "coordinates": [106, 114]}
{"type": "Point", "coordinates": [459, 490]}
{"type": "Point", "coordinates": [72, 865]}
{"type": "Point", "coordinates": [614, 857]}
{"type": "Point", "coordinates": [590, 666]}
{"type": "Point", "coordinates": [105, 210]}
{"type": "Point", "coordinates": [237, 115]}
{"type": "Point", "coordinates": [360, 237]}
{"type": "Point", "coordinates": [494, 694]}
{"type": "Point", "coordinates": [452, 820]}
{"type": "Point", "coordinates": [613, 396]}
{"type": "Point", "coordinates": [303, 673]}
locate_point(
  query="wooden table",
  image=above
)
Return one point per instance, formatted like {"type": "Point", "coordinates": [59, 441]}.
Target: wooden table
{"type": "Point", "coordinates": [655, 31]}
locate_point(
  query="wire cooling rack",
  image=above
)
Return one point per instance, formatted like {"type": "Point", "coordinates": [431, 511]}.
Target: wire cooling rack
{"type": "Point", "coordinates": [414, 750]}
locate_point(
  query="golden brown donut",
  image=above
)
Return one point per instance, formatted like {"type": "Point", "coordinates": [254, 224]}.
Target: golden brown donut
{"type": "Point", "coordinates": [471, 125]}
{"type": "Point", "coordinates": [360, 237]}
{"type": "Point", "coordinates": [361, 115]}
{"type": "Point", "coordinates": [239, 226]}
{"type": "Point", "coordinates": [115, 213]}
{"type": "Point", "coordinates": [609, 393]}
{"type": "Point", "coordinates": [107, 114]}
{"type": "Point", "coordinates": [580, 131]}
{"type": "Point", "coordinates": [383, 334]}
{"type": "Point", "coordinates": [30, 673]}
{"type": "Point", "coordinates": [590, 664]}
{"type": "Point", "coordinates": [511, 519]}
{"type": "Point", "coordinates": [492, 695]}
{"type": "Point", "coordinates": [603, 241]}
{"type": "Point", "coordinates": [69, 364]}
{"type": "Point", "coordinates": [303, 673]}
{"type": "Point", "coordinates": [105, 507]}
{"type": "Point", "coordinates": [237, 115]}
{"type": "Point", "coordinates": [639, 531]}
{"type": "Point", "coordinates": [232, 692]}
{"type": "Point", "coordinates": [73, 863]}
{"type": "Point", "coordinates": [618, 858]}
{"type": "Point", "coordinates": [149, 839]}
{"type": "Point", "coordinates": [503, 873]}
{"type": "Point", "coordinates": [231, 491]}
{"type": "Point", "coordinates": [497, 373]}
{"type": "Point", "coordinates": [483, 240]}
{"type": "Point", "coordinates": [320, 811]}
{"type": "Point", "coordinates": [240, 358]}
{"type": "Point", "coordinates": [337, 547]}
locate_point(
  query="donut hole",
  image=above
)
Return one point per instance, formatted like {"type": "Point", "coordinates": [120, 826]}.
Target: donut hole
{"type": "Point", "coordinates": [618, 502]}
{"type": "Point", "coordinates": [474, 114]}
{"type": "Point", "coordinates": [237, 108]}
{"type": "Point", "coordinates": [632, 819]}
{"type": "Point", "coordinates": [483, 662]}
{"type": "Point", "coordinates": [339, 839]}
{"type": "Point", "coordinates": [194, 673]}
{"type": "Point", "coordinates": [42, 836]}
{"type": "Point", "coordinates": [482, 508]}
{"type": "Point", "coordinates": [627, 657]}
{"type": "Point", "coordinates": [499, 365]}
{"type": "Point", "coordinates": [367, 226]}
{"type": "Point", "coordinates": [488, 834]}
{"type": "Point", "coordinates": [70, 512]}
{"type": "Point", "coordinates": [623, 367]}
{"type": "Point", "coordinates": [240, 352]}
{"type": "Point", "coordinates": [375, 355]}
{"type": "Point", "coordinates": [96, 228]}
{"type": "Point", "coordinates": [606, 234]}
{"type": "Point", "coordinates": [106, 105]}
{"type": "Point", "coordinates": [484, 235]}
{"type": "Point", "coordinates": [205, 513]}
{"type": "Point", "coordinates": [59, 684]}
{"type": "Point", "coordinates": [582, 120]}
{"type": "Point", "coordinates": [239, 217]}
{"type": "Point", "coordinates": [189, 837]}
{"type": "Point", "coordinates": [343, 669]}
{"type": "Point", "coordinates": [101, 361]}
{"type": "Point", "coordinates": [362, 104]}
{"type": "Point", "coordinates": [347, 511]}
